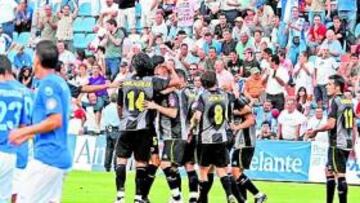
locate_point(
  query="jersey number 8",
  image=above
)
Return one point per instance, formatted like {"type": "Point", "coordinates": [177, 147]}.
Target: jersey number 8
{"type": "Point", "coordinates": [136, 103]}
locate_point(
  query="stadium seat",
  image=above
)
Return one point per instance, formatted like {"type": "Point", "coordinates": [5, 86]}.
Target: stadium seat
{"type": "Point", "coordinates": [89, 38]}
{"type": "Point", "coordinates": [78, 25]}
{"type": "Point", "coordinates": [85, 9]}
{"type": "Point", "coordinates": [89, 24]}
{"type": "Point", "coordinates": [357, 31]}
{"type": "Point", "coordinates": [31, 52]}
{"type": "Point", "coordinates": [15, 36]}
{"type": "Point", "coordinates": [24, 38]}
{"type": "Point", "coordinates": [79, 41]}
{"type": "Point", "coordinates": [11, 54]}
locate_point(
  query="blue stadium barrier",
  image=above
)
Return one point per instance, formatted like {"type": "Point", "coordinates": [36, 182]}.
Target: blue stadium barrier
{"type": "Point", "coordinates": [89, 24]}
{"type": "Point", "coordinates": [78, 24]}
{"type": "Point", "coordinates": [24, 38]}
{"type": "Point", "coordinates": [79, 41]}
{"type": "Point", "coordinates": [85, 9]}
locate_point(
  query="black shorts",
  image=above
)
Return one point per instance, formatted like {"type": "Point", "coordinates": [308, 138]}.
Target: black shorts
{"type": "Point", "coordinates": [189, 153]}
{"type": "Point", "coordinates": [138, 142]}
{"type": "Point", "coordinates": [154, 149]}
{"type": "Point", "coordinates": [337, 159]}
{"type": "Point", "coordinates": [174, 151]}
{"type": "Point", "coordinates": [214, 154]}
{"type": "Point", "coordinates": [241, 158]}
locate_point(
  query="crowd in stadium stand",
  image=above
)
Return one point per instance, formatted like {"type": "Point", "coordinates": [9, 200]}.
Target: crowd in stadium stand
{"type": "Point", "coordinates": [278, 53]}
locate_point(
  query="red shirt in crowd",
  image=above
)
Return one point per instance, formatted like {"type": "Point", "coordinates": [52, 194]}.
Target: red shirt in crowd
{"type": "Point", "coordinates": [317, 34]}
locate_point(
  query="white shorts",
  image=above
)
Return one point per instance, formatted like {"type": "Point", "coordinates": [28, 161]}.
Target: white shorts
{"type": "Point", "coordinates": [7, 166]}
{"type": "Point", "coordinates": [18, 180]}
{"type": "Point", "coordinates": [41, 183]}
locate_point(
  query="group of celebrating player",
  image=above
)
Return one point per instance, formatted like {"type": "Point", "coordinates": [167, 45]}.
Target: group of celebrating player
{"type": "Point", "coordinates": [194, 123]}
{"type": "Point", "coordinates": [199, 125]}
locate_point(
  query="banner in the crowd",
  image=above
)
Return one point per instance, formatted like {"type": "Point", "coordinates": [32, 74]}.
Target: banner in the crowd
{"type": "Point", "coordinates": [319, 159]}
{"type": "Point", "coordinates": [283, 161]}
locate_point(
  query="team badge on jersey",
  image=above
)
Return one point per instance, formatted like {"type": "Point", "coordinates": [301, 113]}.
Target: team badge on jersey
{"type": "Point", "coordinates": [51, 104]}
{"type": "Point", "coordinates": [48, 91]}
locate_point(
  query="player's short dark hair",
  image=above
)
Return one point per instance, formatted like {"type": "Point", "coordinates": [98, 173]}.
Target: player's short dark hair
{"type": "Point", "coordinates": [181, 73]}
{"type": "Point", "coordinates": [157, 60]}
{"type": "Point", "coordinates": [5, 65]}
{"type": "Point", "coordinates": [338, 81]}
{"type": "Point", "coordinates": [142, 64]}
{"type": "Point", "coordinates": [208, 79]}
{"type": "Point", "coordinates": [48, 54]}
{"type": "Point", "coordinates": [275, 59]}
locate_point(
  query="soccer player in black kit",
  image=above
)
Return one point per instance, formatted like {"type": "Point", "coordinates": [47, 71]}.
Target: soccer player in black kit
{"type": "Point", "coordinates": [342, 131]}
{"type": "Point", "coordinates": [137, 126]}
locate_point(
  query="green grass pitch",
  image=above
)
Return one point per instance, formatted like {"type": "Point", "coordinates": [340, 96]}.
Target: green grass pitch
{"type": "Point", "coordinates": [99, 187]}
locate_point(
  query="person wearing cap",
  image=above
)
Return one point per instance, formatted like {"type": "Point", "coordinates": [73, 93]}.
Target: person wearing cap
{"type": "Point", "coordinates": [245, 42]}
{"type": "Point", "coordinates": [265, 15]}
{"type": "Point", "coordinates": [325, 66]}
{"type": "Point", "coordinates": [239, 28]}
{"type": "Point", "coordinates": [22, 59]}
{"type": "Point", "coordinates": [254, 86]}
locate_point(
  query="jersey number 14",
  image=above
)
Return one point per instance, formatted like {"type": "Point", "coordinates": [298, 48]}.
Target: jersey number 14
{"type": "Point", "coordinates": [136, 102]}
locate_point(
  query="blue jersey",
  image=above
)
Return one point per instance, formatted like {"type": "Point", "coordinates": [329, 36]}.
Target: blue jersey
{"type": "Point", "coordinates": [52, 97]}
{"type": "Point", "coordinates": [12, 114]}
{"type": "Point", "coordinates": [22, 152]}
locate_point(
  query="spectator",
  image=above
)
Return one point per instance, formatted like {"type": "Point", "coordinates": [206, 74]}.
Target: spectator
{"type": "Point", "coordinates": [228, 44]}
{"type": "Point", "coordinates": [66, 18]}
{"type": "Point", "coordinates": [185, 57]}
{"type": "Point", "coordinates": [124, 71]}
{"type": "Point", "coordinates": [47, 23]}
{"type": "Point", "coordinates": [185, 11]}
{"type": "Point", "coordinates": [234, 64]}
{"type": "Point", "coordinates": [108, 11]}
{"type": "Point", "coordinates": [249, 62]}
{"type": "Point", "coordinates": [22, 59]}
{"type": "Point", "coordinates": [239, 28]}
{"type": "Point", "coordinates": [23, 17]}
{"type": "Point", "coordinates": [264, 113]}
{"type": "Point", "coordinates": [319, 8]}
{"type": "Point", "coordinates": [347, 10]}
{"type": "Point", "coordinates": [278, 36]}
{"type": "Point", "coordinates": [304, 74]}
{"type": "Point", "coordinates": [66, 56]}
{"type": "Point", "coordinates": [222, 26]}
{"type": "Point", "coordinates": [317, 32]}
{"type": "Point", "coordinates": [224, 78]}
{"type": "Point", "coordinates": [258, 38]}
{"type": "Point", "coordinates": [244, 43]}
{"type": "Point", "coordinates": [159, 26]}
{"type": "Point", "coordinates": [325, 66]}
{"type": "Point", "coordinates": [209, 42]}
{"type": "Point", "coordinates": [335, 49]}
{"type": "Point", "coordinates": [231, 9]}
{"type": "Point", "coordinates": [127, 12]}
{"type": "Point", "coordinates": [302, 99]}
{"type": "Point", "coordinates": [210, 60]}
{"type": "Point", "coordinates": [265, 15]}
{"type": "Point", "coordinates": [147, 38]}
{"type": "Point", "coordinates": [254, 86]}
{"type": "Point", "coordinates": [319, 119]}
{"type": "Point", "coordinates": [102, 97]}
{"type": "Point", "coordinates": [193, 72]}
{"type": "Point", "coordinates": [25, 76]}
{"type": "Point", "coordinates": [113, 50]}
{"type": "Point", "coordinates": [5, 41]}
{"type": "Point", "coordinates": [296, 47]}
{"type": "Point", "coordinates": [148, 11]}
{"type": "Point", "coordinates": [250, 19]}
{"type": "Point", "coordinates": [7, 16]}
{"type": "Point", "coordinates": [276, 79]}
{"type": "Point", "coordinates": [290, 121]}
{"type": "Point", "coordinates": [265, 132]}
{"type": "Point", "coordinates": [266, 59]}
{"type": "Point", "coordinates": [339, 30]}
{"type": "Point", "coordinates": [295, 25]}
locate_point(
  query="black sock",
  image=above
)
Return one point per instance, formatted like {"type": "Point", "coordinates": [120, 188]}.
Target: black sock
{"type": "Point", "coordinates": [120, 177]}
{"type": "Point", "coordinates": [246, 183]}
{"type": "Point", "coordinates": [171, 178]}
{"type": "Point", "coordinates": [193, 181]}
{"type": "Point", "coordinates": [342, 189]}
{"type": "Point", "coordinates": [330, 188]}
{"type": "Point", "coordinates": [226, 183]}
{"type": "Point", "coordinates": [140, 180]}
{"type": "Point", "coordinates": [235, 189]}
{"type": "Point", "coordinates": [210, 180]}
{"type": "Point", "coordinates": [151, 173]}
{"type": "Point", "coordinates": [178, 178]}
{"type": "Point", "coordinates": [204, 190]}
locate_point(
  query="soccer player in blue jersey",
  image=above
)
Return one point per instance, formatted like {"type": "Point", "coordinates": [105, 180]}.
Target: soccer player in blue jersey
{"type": "Point", "coordinates": [22, 152]}
{"type": "Point", "coordinates": [44, 174]}
{"type": "Point", "coordinates": [12, 115]}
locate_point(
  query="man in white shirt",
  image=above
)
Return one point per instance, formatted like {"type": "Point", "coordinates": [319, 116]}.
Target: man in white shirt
{"type": "Point", "coordinates": [276, 79]}
{"type": "Point", "coordinates": [315, 122]}
{"type": "Point", "coordinates": [325, 66]}
{"type": "Point", "coordinates": [108, 10]}
{"type": "Point", "coordinates": [304, 73]}
{"type": "Point", "coordinates": [7, 16]}
{"type": "Point", "coordinates": [290, 121]}
{"type": "Point", "coordinates": [159, 27]}
{"type": "Point", "coordinates": [65, 56]}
